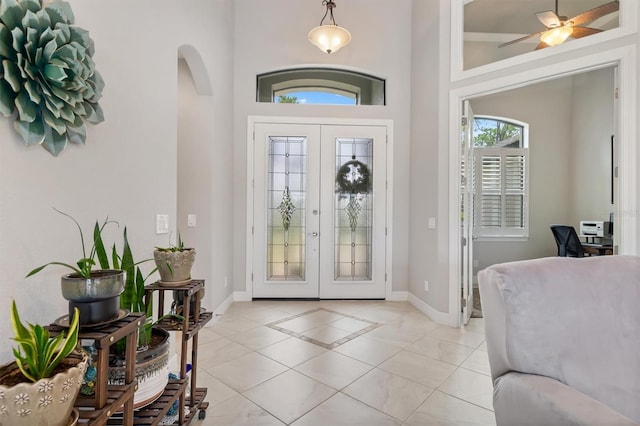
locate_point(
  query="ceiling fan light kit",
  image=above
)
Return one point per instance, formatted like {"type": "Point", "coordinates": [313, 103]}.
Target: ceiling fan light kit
{"type": "Point", "coordinates": [329, 37]}
{"type": "Point", "coordinates": [559, 28]}
{"type": "Point", "coordinates": [556, 36]}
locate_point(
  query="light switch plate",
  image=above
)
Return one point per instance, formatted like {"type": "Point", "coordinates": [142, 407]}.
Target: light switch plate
{"type": "Point", "coordinates": [431, 223]}
{"type": "Point", "coordinates": [191, 220]}
{"type": "Point", "coordinates": [162, 224]}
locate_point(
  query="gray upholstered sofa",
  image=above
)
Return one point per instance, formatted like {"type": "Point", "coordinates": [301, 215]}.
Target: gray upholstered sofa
{"type": "Point", "coordinates": [563, 336]}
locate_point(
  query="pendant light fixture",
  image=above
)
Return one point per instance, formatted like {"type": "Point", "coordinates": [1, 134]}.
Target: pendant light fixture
{"type": "Point", "coordinates": [329, 37]}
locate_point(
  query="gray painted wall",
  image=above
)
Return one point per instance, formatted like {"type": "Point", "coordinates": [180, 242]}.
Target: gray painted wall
{"type": "Point", "coordinates": [592, 127]}
{"type": "Point", "coordinates": [428, 247]}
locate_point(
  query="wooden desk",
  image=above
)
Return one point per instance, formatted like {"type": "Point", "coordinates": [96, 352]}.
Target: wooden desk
{"type": "Point", "coordinates": [597, 249]}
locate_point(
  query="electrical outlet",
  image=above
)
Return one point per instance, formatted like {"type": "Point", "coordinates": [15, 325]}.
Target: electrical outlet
{"type": "Point", "coordinates": [426, 285]}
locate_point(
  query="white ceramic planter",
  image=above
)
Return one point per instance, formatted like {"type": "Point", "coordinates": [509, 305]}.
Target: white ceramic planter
{"type": "Point", "coordinates": [180, 261]}
{"type": "Point", "coordinates": [45, 402]}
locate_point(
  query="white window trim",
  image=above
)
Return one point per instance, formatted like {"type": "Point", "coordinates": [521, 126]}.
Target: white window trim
{"type": "Point", "coordinates": [502, 234]}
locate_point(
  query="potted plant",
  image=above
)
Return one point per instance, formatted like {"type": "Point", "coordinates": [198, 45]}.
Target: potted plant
{"type": "Point", "coordinates": [44, 380]}
{"type": "Point", "coordinates": [95, 292]}
{"type": "Point", "coordinates": [152, 358]}
{"type": "Point", "coordinates": [174, 263]}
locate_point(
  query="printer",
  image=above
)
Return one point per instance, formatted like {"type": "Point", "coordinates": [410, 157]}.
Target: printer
{"type": "Point", "coordinates": [596, 228]}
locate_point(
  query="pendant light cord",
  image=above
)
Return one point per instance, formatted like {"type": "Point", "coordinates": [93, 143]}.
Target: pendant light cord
{"type": "Point", "coordinates": [330, 5]}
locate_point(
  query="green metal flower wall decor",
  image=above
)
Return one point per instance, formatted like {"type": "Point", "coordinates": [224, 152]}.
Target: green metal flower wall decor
{"type": "Point", "coordinates": [48, 80]}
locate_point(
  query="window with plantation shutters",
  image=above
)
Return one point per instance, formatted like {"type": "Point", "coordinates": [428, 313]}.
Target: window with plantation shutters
{"type": "Point", "coordinates": [500, 187]}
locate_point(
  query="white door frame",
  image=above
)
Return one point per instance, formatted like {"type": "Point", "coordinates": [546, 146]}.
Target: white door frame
{"type": "Point", "coordinates": [251, 122]}
{"type": "Point", "coordinates": [626, 130]}
{"type": "Point", "coordinates": [469, 214]}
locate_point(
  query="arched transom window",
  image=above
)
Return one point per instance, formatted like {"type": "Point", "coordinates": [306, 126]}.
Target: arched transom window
{"type": "Point", "coordinates": [320, 86]}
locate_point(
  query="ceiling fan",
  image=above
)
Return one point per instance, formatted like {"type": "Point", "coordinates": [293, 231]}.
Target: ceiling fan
{"type": "Point", "coordinates": [559, 28]}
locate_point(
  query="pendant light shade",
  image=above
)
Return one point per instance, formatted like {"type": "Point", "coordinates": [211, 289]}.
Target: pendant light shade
{"type": "Point", "coordinates": [329, 37]}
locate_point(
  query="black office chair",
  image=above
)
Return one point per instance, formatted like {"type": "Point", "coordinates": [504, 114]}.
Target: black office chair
{"type": "Point", "coordinates": [568, 242]}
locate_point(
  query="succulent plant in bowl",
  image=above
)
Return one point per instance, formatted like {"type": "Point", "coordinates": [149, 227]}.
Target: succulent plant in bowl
{"type": "Point", "coordinates": [45, 378]}
{"type": "Point", "coordinates": [175, 262]}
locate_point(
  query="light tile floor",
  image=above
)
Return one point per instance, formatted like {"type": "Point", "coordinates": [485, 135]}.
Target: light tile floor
{"type": "Point", "coordinates": [332, 367]}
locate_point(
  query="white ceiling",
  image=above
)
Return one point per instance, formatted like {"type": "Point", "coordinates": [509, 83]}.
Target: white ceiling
{"type": "Point", "coordinates": [519, 16]}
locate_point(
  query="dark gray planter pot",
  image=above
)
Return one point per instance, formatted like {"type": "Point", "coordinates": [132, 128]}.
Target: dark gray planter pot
{"type": "Point", "coordinates": [97, 298]}
{"type": "Point", "coordinates": [178, 300]}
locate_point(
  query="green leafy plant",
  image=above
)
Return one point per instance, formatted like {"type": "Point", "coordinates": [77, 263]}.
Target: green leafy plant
{"type": "Point", "coordinates": [132, 298]}
{"type": "Point", "coordinates": [48, 79]}
{"type": "Point", "coordinates": [38, 354]}
{"type": "Point", "coordinates": [87, 262]}
{"type": "Point", "coordinates": [179, 246]}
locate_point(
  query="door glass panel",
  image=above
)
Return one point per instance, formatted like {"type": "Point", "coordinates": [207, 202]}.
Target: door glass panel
{"type": "Point", "coordinates": [353, 209]}
{"type": "Point", "coordinates": [286, 226]}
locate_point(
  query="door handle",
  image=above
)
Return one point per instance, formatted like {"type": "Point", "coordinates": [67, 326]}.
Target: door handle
{"type": "Point", "coordinates": [315, 234]}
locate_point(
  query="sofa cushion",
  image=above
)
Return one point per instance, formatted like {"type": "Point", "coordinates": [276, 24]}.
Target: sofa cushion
{"type": "Point", "coordinates": [575, 320]}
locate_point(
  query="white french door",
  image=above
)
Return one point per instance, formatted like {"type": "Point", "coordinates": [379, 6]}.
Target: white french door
{"type": "Point", "coordinates": [319, 211]}
{"type": "Point", "coordinates": [467, 212]}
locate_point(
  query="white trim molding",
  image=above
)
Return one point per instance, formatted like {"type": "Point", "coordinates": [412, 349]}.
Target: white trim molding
{"type": "Point", "coordinates": [242, 296]}
{"type": "Point", "coordinates": [398, 296]}
{"type": "Point", "coordinates": [437, 316]}
{"type": "Point", "coordinates": [222, 308]}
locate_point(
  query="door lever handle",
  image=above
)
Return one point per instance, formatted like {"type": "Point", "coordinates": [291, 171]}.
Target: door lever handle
{"type": "Point", "coordinates": [315, 234]}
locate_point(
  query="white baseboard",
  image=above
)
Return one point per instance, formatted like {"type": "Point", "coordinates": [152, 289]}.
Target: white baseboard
{"type": "Point", "coordinates": [222, 308]}
{"type": "Point", "coordinates": [399, 296]}
{"type": "Point", "coordinates": [396, 296]}
{"type": "Point", "coordinates": [437, 316]}
{"type": "Point", "coordinates": [241, 296]}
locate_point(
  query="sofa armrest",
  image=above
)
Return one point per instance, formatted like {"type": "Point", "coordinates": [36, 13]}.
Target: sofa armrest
{"type": "Point", "coordinates": [494, 313]}
{"type": "Point", "coordinates": [572, 319]}
{"type": "Point", "coordinates": [529, 399]}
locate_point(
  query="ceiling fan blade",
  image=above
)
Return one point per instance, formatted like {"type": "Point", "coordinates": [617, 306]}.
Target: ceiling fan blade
{"type": "Point", "coordinates": [541, 45]}
{"type": "Point", "coordinates": [584, 31]}
{"type": "Point", "coordinates": [595, 13]}
{"type": "Point", "coordinates": [520, 39]}
{"type": "Point", "coordinates": [549, 18]}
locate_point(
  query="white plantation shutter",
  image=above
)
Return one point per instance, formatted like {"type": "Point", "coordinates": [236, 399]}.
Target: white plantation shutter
{"type": "Point", "coordinates": [514, 185]}
{"type": "Point", "coordinates": [501, 193]}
